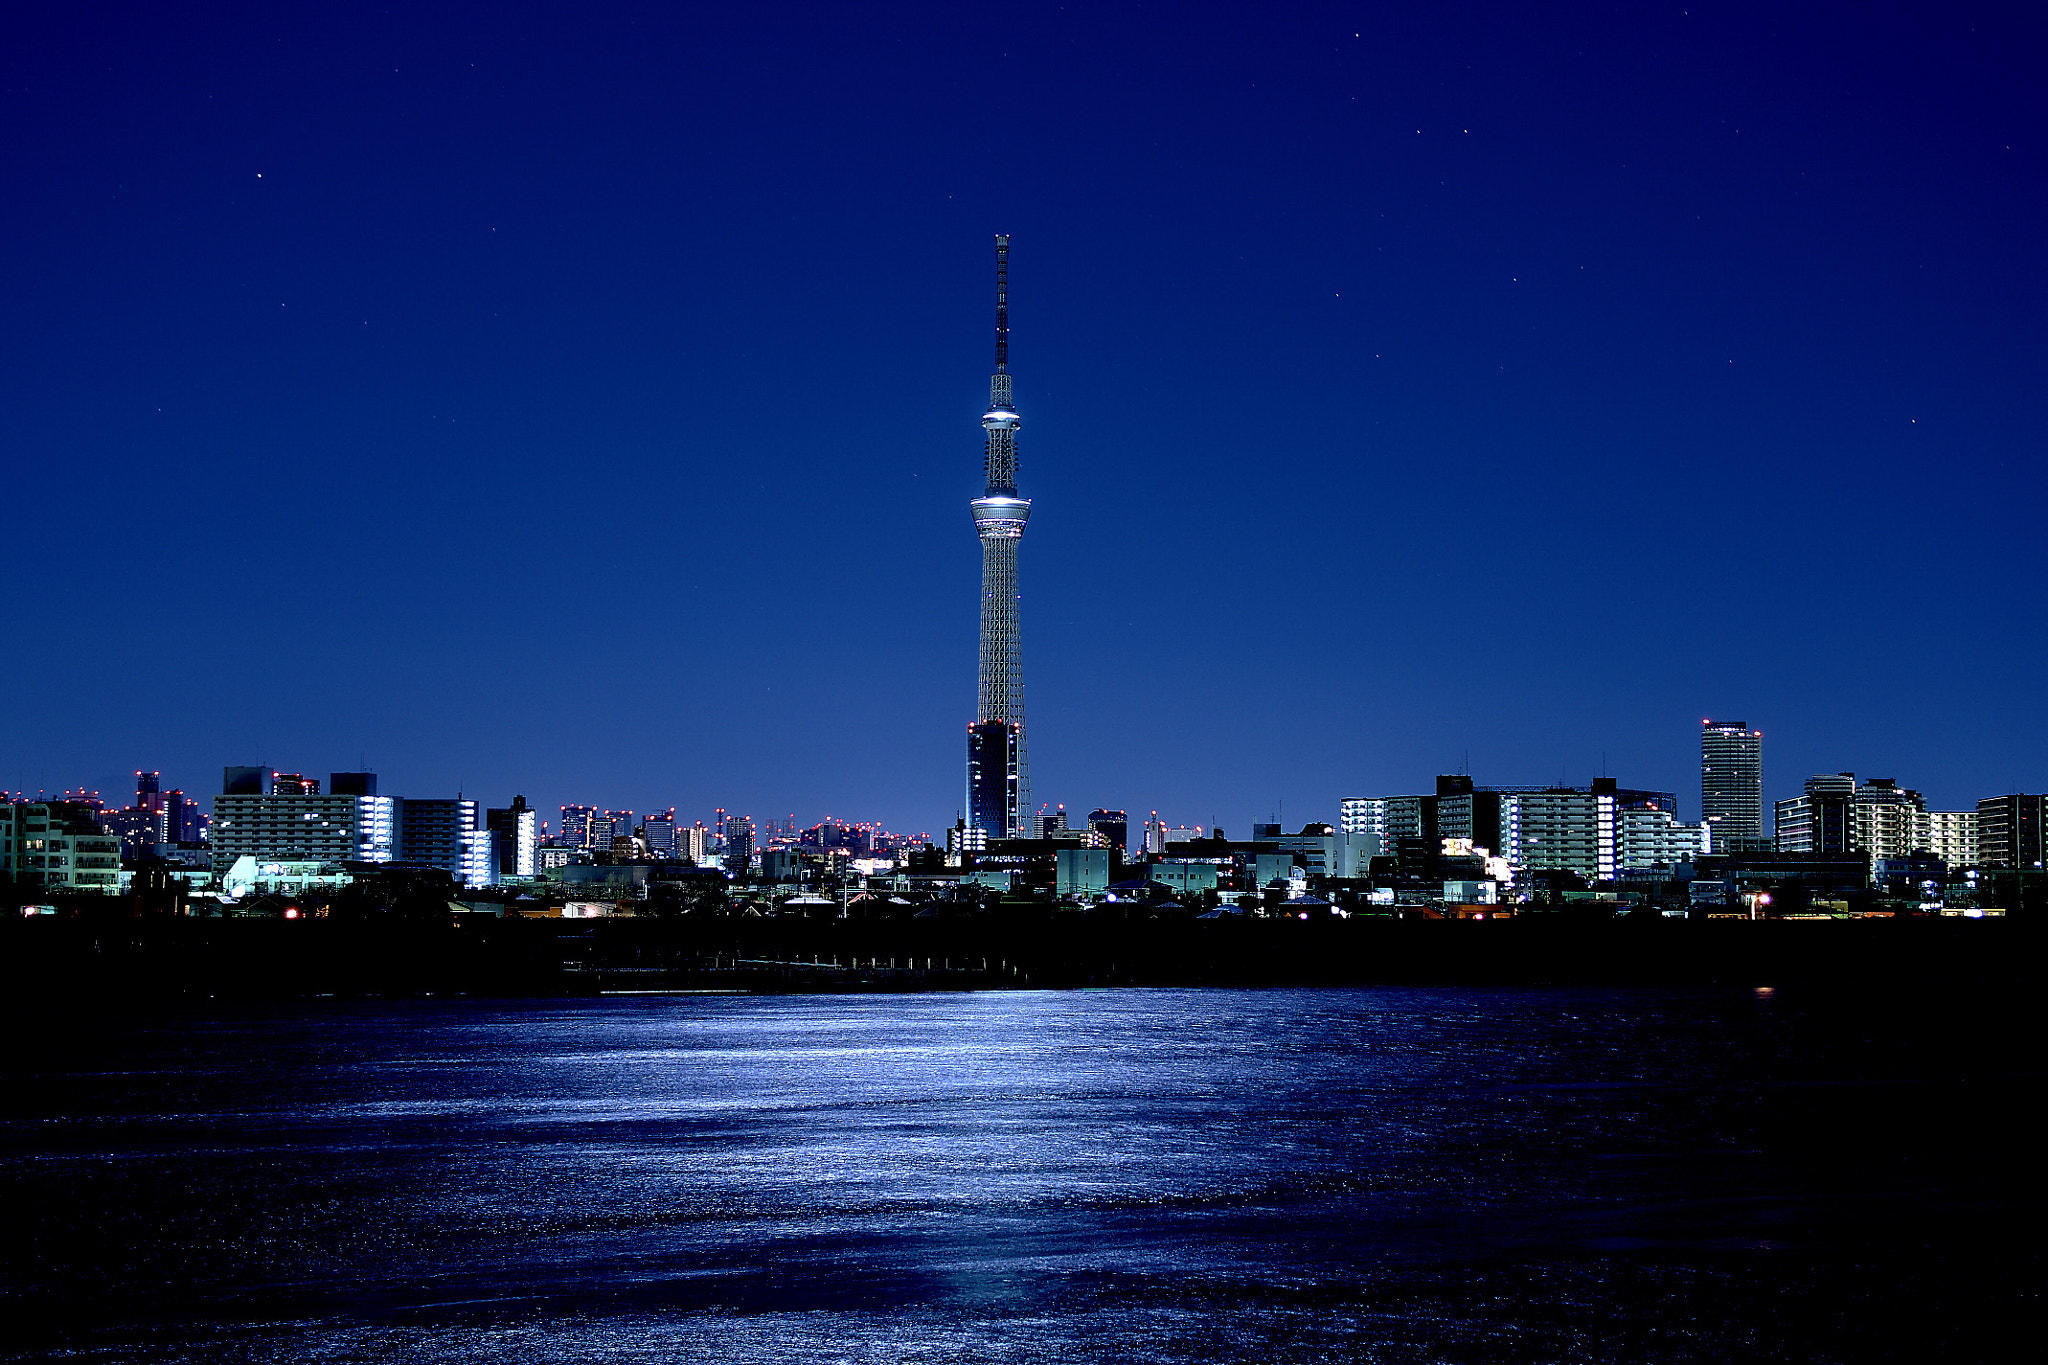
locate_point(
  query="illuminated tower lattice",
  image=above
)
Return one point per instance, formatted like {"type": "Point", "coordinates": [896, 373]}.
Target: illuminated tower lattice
{"type": "Point", "coordinates": [998, 771]}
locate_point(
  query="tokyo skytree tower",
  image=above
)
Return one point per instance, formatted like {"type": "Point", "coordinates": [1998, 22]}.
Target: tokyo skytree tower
{"type": "Point", "coordinates": [998, 771]}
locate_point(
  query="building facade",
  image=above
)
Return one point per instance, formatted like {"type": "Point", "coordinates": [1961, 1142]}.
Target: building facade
{"type": "Point", "coordinates": [1952, 837]}
{"type": "Point", "coordinates": [1837, 814]}
{"type": "Point", "coordinates": [327, 828]}
{"type": "Point", "coordinates": [515, 835]}
{"type": "Point", "coordinates": [739, 845]}
{"type": "Point", "coordinates": [1731, 781]}
{"type": "Point", "coordinates": [2009, 831]}
{"type": "Point", "coordinates": [1650, 838]}
{"type": "Point", "coordinates": [1113, 825]}
{"type": "Point", "coordinates": [1817, 820]}
{"type": "Point", "coordinates": [58, 846]}
{"type": "Point", "coordinates": [448, 833]}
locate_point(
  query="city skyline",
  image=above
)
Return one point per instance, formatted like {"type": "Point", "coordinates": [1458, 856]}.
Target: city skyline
{"type": "Point", "coordinates": [1693, 804]}
{"type": "Point", "coordinates": [1411, 393]}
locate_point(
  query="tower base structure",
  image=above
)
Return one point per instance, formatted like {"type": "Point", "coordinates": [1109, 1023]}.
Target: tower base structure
{"type": "Point", "coordinates": [994, 794]}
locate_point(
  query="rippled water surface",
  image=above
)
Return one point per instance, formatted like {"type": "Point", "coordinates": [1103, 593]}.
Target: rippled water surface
{"type": "Point", "coordinates": [1401, 1175]}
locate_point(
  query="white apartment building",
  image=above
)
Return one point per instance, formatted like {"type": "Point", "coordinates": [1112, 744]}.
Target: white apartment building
{"type": "Point", "coordinates": [331, 829]}
{"type": "Point", "coordinates": [1655, 838]}
{"type": "Point", "coordinates": [1567, 830]}
{"type": "Point", "coordinates": [1951, 835]}
{"type": "Point", "coordinates": [54, 848]}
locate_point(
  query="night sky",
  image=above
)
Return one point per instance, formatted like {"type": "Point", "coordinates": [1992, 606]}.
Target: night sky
{"type": "Point", "coordinates": [581, 401]}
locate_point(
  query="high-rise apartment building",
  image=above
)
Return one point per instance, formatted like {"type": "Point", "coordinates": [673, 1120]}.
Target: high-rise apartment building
{"type": "Point", "coordinates": [1594, 830]}
{"type": "Point", "coordinates": [1837, 814]}
{"type": "Point", "coordinates": [1817, 820]}
{"type": "Point", "coordinates": [1731, 781]}
{"type": "Point", "coordinates": [1648, 838]}
{"type": "Point", "coordinates": [1886, 820]}
{"type": "Point", "coordinates": [2009, 831]}
{"type": "Point", "coordinates": [515, 836]}
{"type": "Point", "coordinates": [448, 833]}
{"type": "Point", "coordinates": [1566, 830]}
{"type": "Point", "coordinates": [1952, 837]}
{"type": "Point", "coordinates": [296, 826]}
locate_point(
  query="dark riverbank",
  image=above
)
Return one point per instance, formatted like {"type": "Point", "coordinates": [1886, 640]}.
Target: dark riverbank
{"type": "Point", "coordinates": [260, 959]}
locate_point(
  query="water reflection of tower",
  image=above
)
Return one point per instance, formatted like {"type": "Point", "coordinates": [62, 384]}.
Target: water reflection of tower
{"type": "Point", "coordinates": [998, 768]}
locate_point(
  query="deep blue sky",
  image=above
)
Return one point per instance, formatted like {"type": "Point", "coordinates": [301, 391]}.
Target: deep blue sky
{"type": "Point", "coordinates": [581, 400]}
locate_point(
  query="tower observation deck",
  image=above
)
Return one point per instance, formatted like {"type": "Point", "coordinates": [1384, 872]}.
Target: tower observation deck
{"type": "Point", "coordinates": [998, 771]}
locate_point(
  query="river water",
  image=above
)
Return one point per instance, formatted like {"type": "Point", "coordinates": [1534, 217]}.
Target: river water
{"type": "Point", "coordinates": [1138, 1175]}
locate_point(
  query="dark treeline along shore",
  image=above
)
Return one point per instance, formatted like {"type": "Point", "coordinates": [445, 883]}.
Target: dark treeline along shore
{"type": "Point", "coordinates": [197, 959]}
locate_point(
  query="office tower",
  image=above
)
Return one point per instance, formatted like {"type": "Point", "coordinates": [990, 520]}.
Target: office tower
{"type": "Point", "coordinates": [242, 781]}
{"type": "Point", "coordinates": [739, 845]}
{"type": "Point", "coordinates": [998, 769]}
{"type": "Point", "coordinates": [2009, 831]}
{"type": "Point", "coordinates": [1155, 834]}
{"type": "Point", "coordinates": [1731, 781]}
{"type": "Point", "coordinates": [515, 832]}
{"type": "Point", "coordinates": [661, 831]}
{"type": "Point", "coordinates": [139, 830]}
{"type": "Point", "coordinates": [149, 790]}
{"type": "Point", "coordinates": [1114, 827]}
{"type": "Point", "coordinates": [576, 826]}
{"type": "Point", "coordinates": [697, 843]}
{"type": "Point", "coordinates": [352, 784]}
{"type": "Point", "coordinates": [608, 827]}
{"type": "Point", "coordinates": [183, 824]}
{"type": "Point", "coordinates": [292, 784]}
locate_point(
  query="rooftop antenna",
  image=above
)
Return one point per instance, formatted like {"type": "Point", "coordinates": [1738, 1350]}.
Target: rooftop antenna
{"type": "Point", "coordinates": [1003, 304]}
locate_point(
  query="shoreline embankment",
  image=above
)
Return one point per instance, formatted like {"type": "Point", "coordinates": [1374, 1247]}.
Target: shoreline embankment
{"type": "Point", "coordinates": [199, 959]}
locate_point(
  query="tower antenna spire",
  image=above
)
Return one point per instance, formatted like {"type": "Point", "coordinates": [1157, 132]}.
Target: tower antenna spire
{"type": "Point", "coordinates": [1002, 303]}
